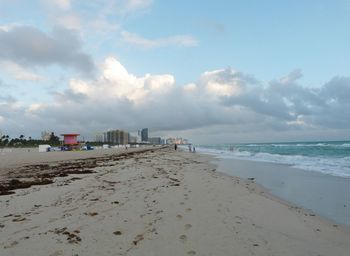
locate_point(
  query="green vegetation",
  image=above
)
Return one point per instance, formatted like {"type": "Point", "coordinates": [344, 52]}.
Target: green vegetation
{"type": "Point", "coordinates": [23, 142]}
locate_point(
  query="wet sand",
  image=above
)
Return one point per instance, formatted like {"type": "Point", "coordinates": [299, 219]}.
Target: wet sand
{"type": "Point", "coordinates": [159, 202]}
{"type": "Point", "coordinates": [324, 194]}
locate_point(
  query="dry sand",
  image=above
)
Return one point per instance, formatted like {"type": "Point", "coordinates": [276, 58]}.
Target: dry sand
{"type": "Point", "coordinates": [159, 202]}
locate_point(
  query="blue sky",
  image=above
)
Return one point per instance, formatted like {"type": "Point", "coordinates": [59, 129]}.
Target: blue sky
{"type": "Point", "coordinates": [265, 38]}
{"type": "Point", "coordinates": [236, 51]}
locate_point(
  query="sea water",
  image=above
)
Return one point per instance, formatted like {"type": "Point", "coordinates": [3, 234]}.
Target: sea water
{"type": "Point", "coordinates": [331, 158]}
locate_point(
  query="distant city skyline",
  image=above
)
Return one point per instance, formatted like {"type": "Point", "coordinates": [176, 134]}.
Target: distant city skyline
{"type": "Point", "coordinates": [214, 72]}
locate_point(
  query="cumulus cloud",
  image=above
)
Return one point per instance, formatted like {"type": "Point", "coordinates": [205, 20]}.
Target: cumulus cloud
{"type": "Point", "coordinates": [28, 46]}
{"type": "Point", "coordinates": [178, 40]}
{"type": "Point", "coordinates": [221, 101]}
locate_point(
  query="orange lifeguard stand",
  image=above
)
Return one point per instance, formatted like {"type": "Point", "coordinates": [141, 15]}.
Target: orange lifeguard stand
{"type": "Point", "coordinates": [70, 139]}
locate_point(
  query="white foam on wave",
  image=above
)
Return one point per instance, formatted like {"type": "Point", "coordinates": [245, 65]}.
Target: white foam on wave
{"type": "Point", "coordinates": [333, 166]}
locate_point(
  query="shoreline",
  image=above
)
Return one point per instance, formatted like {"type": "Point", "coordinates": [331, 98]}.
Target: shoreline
{"type": "Point", "coordinates": [158, 202]}
{"type": "Point", "coordinates": [265, 192]}
{"type": "Point", "coordinates": [300, 188]}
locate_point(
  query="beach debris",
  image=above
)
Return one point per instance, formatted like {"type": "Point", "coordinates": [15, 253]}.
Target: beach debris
{"type": "Point", "coordinates": [174, 179]}
{"type": "Point", "coordinates": [137, 239]}
{"type": "Point", "coordinates": [92, 214]}
{"type": "Point", "coordinates": [45, 173]}
{"type": "Point", "coordinates": [71, 236]}
{"type": "Point", "coordinates": [117, 233]}
{"type": "Point", "coordinates": [251, 179]}
{"type": "Point", "coordinates": [19, 219]}
{"type": "Point", "coordinates": [7, 189]}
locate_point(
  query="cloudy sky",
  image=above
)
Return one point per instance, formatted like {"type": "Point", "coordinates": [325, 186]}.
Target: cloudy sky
{"type": "Point", "coordinates": [212, 71]}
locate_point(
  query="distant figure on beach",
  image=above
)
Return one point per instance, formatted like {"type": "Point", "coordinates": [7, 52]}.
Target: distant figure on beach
{"type": "Point", "coordinates": [189, 148]}
{"type": "Point", "coordinates": [175, 146]}
{"type": "Point", "coordinates": [194, 150]}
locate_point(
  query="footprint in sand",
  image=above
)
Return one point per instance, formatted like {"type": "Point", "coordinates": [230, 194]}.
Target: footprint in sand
{"type": "Point", "coordinates": [179, 216]}
{"type": "Point", "coordinates": [182, 203]}
{"type": "Point", "coordinates": [191, 252]}
{"type": "Point", "coordinates": [188, 226]}
{"type": "Point", "coordinates": [183, 238]}
{"type": "Point", "coordinates": [188, 209]}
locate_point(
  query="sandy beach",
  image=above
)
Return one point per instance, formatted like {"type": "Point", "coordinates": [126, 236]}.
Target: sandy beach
{"type": "Point", "coordinates": [152, 201]}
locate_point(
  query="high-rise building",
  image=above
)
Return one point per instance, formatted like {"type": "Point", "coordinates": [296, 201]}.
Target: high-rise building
{"type": "Point", "coordinates": [155, 140]}
{"type": "Point", "coordinates": [144, 134]}
{"type": "Point", "coordinates": [99, 137]}
{"type": "Point", "coordinates": [116, 137]}
{"type": "Point", "coordinates": [132, 139]}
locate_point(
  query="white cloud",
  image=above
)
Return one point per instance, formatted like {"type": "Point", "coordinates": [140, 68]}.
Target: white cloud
{"type": "Point", "coordinates": [70, 21]}
{"type": "Point", "coordinates": [223, 82]}
{"type": "Point", "coordinates": [35, 107]}
{"type": "Point", "coordinates": [18, 72]}
{"type": "Point", "coordinates": [191, 87]}
{"type": "Point", "coordinates": [117, 83]}
{"type": "Point", "coordinates": [8, 27]}
{"type": "Point", "coordinates": [237, 104]}
{"type": "Point", "coordinates": [132, 5]}
{"type": "Point", "coordinates": [291, 77]}
{"type": "Point", "coordinates": [62, 4]}
{"type": "Point", "coordinates": [28, 46]}
{"type": "Point", "coordinates": [178, 40]}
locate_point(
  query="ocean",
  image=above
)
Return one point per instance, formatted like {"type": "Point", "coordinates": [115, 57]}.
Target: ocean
{"type": "Point", "coordinates": [331, 158]}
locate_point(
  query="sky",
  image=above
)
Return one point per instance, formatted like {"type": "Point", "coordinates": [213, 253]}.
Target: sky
{"type": "Point", "coordinates": [211, 71]}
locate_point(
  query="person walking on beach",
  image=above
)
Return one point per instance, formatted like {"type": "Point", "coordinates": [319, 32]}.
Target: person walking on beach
{"type": "Point", "coordinates": [189, 148]}
{"type": "Point", "coordinates": [194, 150]}
{"type": "Point", "coordinates": [175, 146]}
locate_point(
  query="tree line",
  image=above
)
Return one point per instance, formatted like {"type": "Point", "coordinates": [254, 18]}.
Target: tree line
{"type": "Point", "coordinates": [22, 141]}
